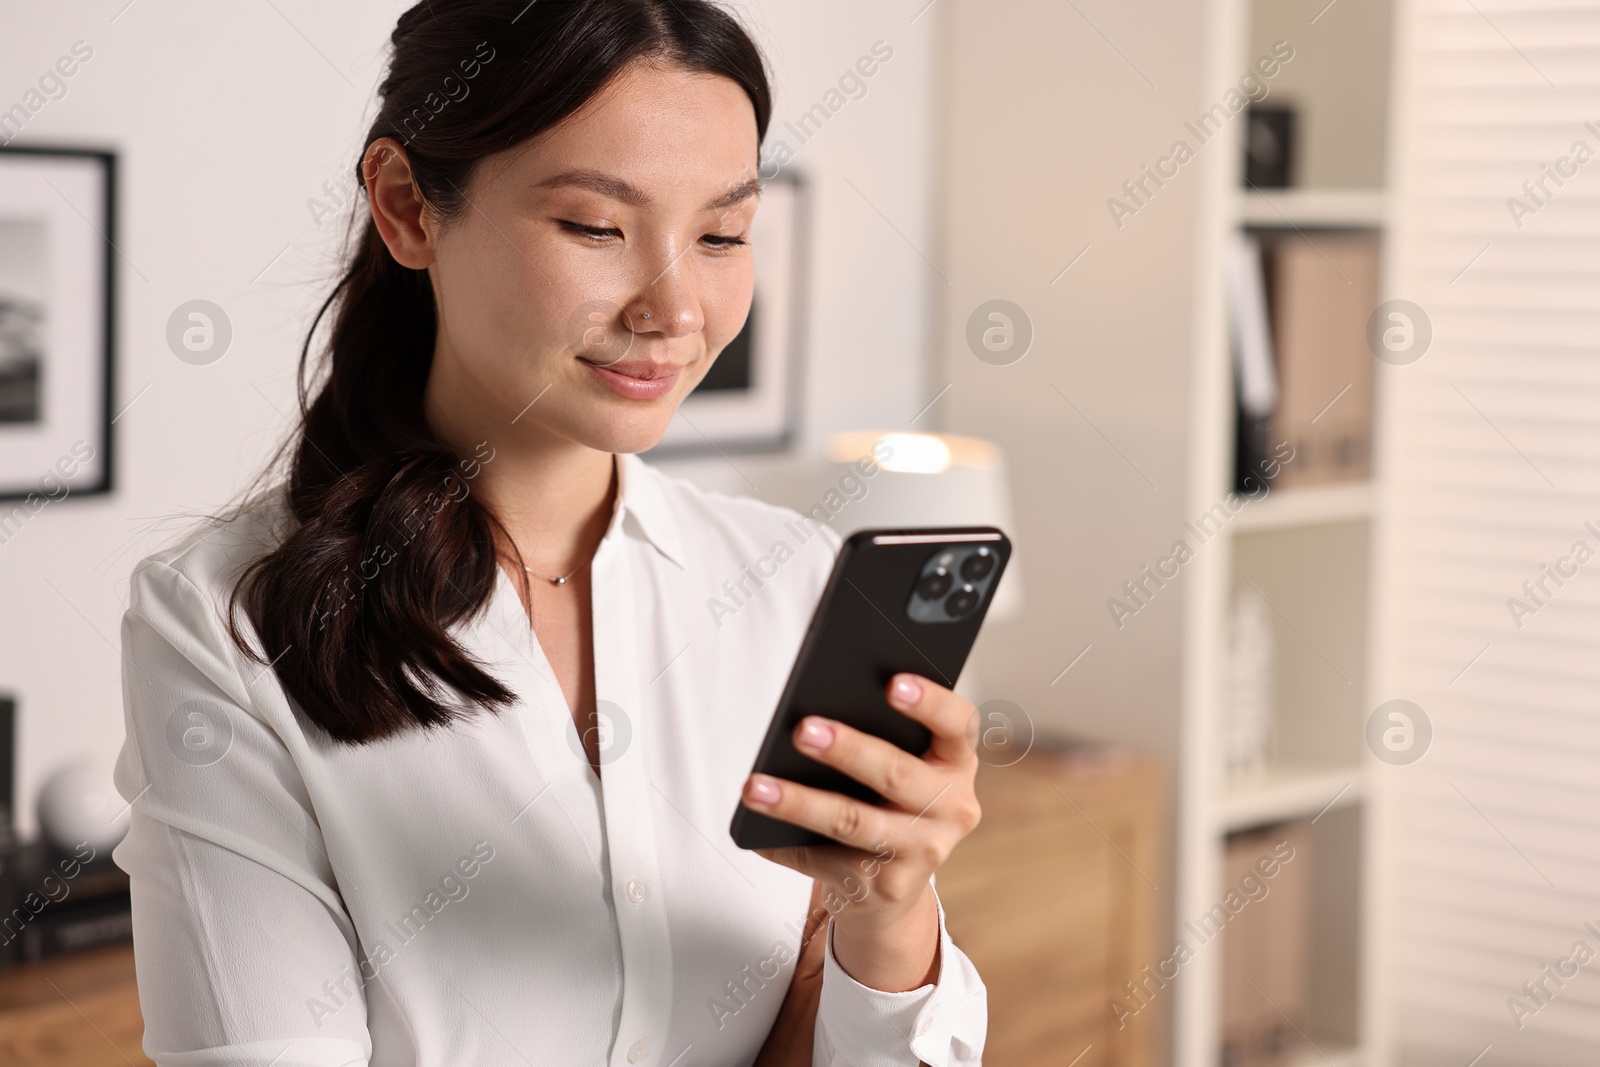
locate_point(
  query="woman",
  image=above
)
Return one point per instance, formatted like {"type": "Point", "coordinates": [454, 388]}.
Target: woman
{"type": "Point", "coordinates": [454, 788]}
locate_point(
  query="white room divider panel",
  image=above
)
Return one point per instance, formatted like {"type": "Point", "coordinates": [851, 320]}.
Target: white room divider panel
{"type": "Point", "coordinates": [1489, 562]}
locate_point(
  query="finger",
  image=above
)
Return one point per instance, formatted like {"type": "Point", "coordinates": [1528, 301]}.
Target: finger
{"type": "Point", "coordinates": [899, 777]}
{"type": "Point", "coordinates": [822, 863]}
{"type": "Point", "coordinates": [833, 815]}
{"type": "Point", "coordinates": [951, 717]}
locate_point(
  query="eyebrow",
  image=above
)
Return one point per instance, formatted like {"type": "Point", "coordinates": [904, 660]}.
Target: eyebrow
{"type": "Point", "coordinates": [617, 189]}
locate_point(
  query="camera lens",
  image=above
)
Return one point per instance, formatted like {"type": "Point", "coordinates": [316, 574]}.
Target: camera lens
{"type": "Point", "coordinates": [977, 566]}
{"type": "Point", "coordinates": [934, 585]}
{"type": "Point", "coordinates": [961, 602]}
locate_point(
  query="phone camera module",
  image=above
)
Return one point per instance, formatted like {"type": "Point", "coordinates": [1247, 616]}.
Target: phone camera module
{"type": "Point", "coordinates": [977, 566]}
{"type": "Point", "coordinates": [954, 582]}
{"type": "Point", "coordinates": [961, 602]}
{"type": "Point", "coordinates": [935, 585]}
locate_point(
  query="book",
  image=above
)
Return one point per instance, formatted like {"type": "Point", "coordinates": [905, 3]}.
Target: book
{"type": "Point", "coordinates": [52, 902]}
{"type": "Point", "coordinates": [1254, 374]}
{"type": "Point", "coordinates": [1266, 946]}
{"type": "Point", "coordinates": [1325, 287]}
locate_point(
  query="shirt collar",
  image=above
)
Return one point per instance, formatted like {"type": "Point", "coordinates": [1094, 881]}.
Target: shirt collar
{"type": "Point", "coordinates": [640, 496]}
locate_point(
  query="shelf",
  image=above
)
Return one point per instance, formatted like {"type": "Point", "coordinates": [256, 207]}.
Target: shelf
{"type": "Point", "coordinates": [1288, 208]}
{"type": "Point", "coordinates": [1336, 1056]}
{"type": "Point", "coordinates": [1291, 508]}
{"type": "Point", "coordinates": [1289, 790]}
{"type": "Point", "coordinates": [1330, 1056]}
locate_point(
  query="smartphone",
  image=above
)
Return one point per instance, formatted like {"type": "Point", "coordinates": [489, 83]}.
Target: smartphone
{"type": "Point", "coordinates": [897, 601]}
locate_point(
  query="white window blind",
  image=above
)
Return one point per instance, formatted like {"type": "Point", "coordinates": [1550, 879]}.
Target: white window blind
{"type": "Point", "coordinates": [1492, 465]}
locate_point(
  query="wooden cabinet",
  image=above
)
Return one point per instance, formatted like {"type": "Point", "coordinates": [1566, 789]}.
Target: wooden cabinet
{"type": "Point", "coordinates": [1054, 898]}
{"type": "Point", "coordinates": [80, 1010]}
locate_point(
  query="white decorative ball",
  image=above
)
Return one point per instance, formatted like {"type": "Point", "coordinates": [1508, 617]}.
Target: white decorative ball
{"type": "Point", "coordinates": [79, 804]}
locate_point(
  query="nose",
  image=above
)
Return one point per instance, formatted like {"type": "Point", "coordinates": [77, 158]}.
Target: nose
{"type": "Point", "coordinates": [669, 302]}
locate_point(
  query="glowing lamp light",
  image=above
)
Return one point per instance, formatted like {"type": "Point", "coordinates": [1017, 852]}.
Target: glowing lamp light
{"type": "Point", "coordinates": [912, 453]}
{"type": "Point", "coordinates": [926, 479]}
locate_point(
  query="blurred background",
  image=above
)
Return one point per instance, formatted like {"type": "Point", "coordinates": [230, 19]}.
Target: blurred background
{"type": "Point", "coordinates": [1266, 329]}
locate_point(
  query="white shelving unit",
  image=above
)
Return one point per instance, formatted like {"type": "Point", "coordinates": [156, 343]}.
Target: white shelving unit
{"type": "Point", "coordinates": [1308, 550]}
{"type": "Point", "coordinates": [1307, 507]}
{"type": "Point", "coordinates": [1311, 208]}
{"type": "Point", "coordinates": [1289, 790]}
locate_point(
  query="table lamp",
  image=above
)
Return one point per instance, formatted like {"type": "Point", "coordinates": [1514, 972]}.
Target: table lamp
{"type": "Point", "coordinates": [930, 480]}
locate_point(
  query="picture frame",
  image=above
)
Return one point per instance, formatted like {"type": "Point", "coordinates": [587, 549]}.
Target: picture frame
{"type": "Point", "coordinates": [750, 400]}
{"type": "Point", "coordinates": [57, 322]}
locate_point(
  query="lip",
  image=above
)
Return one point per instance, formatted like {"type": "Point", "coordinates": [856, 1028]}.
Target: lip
{"type": "Point", "coordinates": [636, 379]}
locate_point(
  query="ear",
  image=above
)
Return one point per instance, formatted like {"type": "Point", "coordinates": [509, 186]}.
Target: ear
{"type": "Point", "coordinates": [397, 204]}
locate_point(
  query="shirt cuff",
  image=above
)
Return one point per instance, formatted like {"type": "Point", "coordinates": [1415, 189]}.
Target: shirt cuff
{"type": "Point", "coordinates": [941, 1025]}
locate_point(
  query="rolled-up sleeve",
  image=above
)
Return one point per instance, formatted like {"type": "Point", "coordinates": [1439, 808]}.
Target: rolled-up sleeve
{"type": "Point", "coordinates": [941, 1025]}
{"type": "Point", "coordinates": [243, 949]}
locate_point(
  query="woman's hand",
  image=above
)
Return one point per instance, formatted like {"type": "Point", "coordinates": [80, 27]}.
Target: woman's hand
{"type": "Point", "coordinates": [875, 882]}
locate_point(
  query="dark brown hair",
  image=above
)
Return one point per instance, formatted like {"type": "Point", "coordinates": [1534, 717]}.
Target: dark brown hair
{"type": "Point", "coordinates": [389, 548]}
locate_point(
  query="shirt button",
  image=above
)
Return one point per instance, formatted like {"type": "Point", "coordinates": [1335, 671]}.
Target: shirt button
{"type": "Point", "coordinates": [636, 895]}
{"type": "Point", "coordinates": [638, 1051]}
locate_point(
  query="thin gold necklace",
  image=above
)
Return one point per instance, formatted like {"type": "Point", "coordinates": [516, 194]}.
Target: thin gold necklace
{"type": "Point", "coordinates": [552, 579]}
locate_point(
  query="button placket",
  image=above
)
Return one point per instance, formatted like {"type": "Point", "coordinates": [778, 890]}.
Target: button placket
{"type": "Point", "coordinates": [563, 779]}
{"type": "Point", "coordinates": [627, 802]}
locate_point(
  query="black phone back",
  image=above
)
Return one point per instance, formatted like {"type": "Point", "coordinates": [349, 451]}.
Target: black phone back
{"type": "Point", "coordinates": [897, 600]}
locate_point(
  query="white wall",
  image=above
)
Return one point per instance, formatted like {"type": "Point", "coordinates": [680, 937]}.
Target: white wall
{"type": "Point", "coordinates": [871, 185]}
{"type": "Point", "coordinates": [1095, 417]}
{"type": "Point", "coordinates": [227, 120]}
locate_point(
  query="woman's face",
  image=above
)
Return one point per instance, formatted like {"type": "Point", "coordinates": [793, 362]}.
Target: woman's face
{"type": "Point", "coordinates": [600, 268]}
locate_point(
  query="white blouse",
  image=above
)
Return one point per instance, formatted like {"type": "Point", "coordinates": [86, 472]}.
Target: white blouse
{"type": "Point", "coordinates": [476, 895]}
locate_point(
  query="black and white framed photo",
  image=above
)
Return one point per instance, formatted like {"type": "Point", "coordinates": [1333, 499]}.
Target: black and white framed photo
{"type": "Point", "coordinates": [56, 236]}
{"type": "Point", "coordinates": [750, 399]}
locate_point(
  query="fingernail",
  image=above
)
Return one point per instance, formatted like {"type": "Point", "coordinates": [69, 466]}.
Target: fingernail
{"type": "Point", "coordinates": [816, 735]}
{"type": "Point", "coordinates": [906, 690]}
{"type": "Point", "coordinates": [761, 790]}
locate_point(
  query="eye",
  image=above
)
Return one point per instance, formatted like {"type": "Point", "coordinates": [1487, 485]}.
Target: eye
{"type": "Point", "coordinates": [597, 234]}
{"type": "Point", "coordinates": [722, 240]}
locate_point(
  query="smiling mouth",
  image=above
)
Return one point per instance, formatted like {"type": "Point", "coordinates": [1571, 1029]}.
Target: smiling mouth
{"type": "Point", "coordinates": [637, 379]}
{"type": "Point", "coordinates": [636, 369]}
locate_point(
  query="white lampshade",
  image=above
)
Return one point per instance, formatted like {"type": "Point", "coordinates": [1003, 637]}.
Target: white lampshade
{"type": "Point", "coordinates": [930, 480]}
